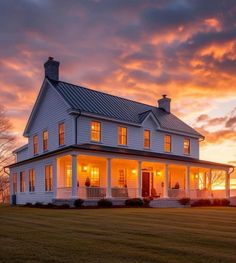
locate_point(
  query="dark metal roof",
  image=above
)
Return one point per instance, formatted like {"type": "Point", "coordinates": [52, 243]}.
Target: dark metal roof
{"type": "Point", "coordinates": [118, 150]}
{"type": "Point", "coordinates": [103, 104]}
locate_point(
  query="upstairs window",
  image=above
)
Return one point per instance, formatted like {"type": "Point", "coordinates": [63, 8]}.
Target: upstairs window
{"type": "Point", "coordinates": [61, 134]}
{"type": "Point", "coordinates": [186, 146]}
{"type": "Point", "coordinates": [167, 143]}
{"type": "Point", "coordinates": [35, 143]}
{"type": "Point", "coordinates": [31, 180]}
{"type": "Point", "coordinates": [45, 140]}
{"type": "Point", "coordinates": [22, 182]}
{"type": "Point", "coordinates": [95, 131]}
{"type": "Point", "coordinates": [122, 135]}
{"type": "Point", "coordinates": [146, 137]}
{"type": "Point", "coordinates": [15, 183]}
{"type": "Point", "coordinates": [48, 178]}
{"type": "Point", "coordinates": [95, 177]}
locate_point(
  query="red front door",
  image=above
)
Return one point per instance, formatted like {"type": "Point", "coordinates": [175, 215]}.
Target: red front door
{"type": "Point", "coordinates": [145, 184]}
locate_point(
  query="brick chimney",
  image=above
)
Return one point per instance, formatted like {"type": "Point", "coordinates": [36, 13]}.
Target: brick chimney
{"type": "Point", "coordinates": [164, 103]}
{"type": "Point", "coordinates": [51, 67]}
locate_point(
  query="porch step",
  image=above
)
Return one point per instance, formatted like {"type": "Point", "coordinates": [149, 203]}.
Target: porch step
{"type": "Point", "coordinates": [166, 202]}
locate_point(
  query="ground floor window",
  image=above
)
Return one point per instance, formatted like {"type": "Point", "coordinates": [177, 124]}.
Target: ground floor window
{"type": "Point", "coordinates": [48, 178]}
{"type": "Point", "coordinates": [68, 176]}
{"type": "Point", "coordinates": [15, 183]}
{"type": "Point", "coordinates": [122, 182]}
{"type": "Point", "coordinates": [22, 182]}
{"type": "Point", "coordinates": [95, 177]}
{"type": "Point", "coordinates": [31, 180]}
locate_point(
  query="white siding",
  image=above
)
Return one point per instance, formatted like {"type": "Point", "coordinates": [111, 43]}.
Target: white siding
{"type": "Point", "coordinates": [109, 137]}
{"type": "Point", "coordinates": [22, 155]}
{"type": "Point", "coordinates": [52, 111]}
{"type": "Point", "coordinates": [39, 195]}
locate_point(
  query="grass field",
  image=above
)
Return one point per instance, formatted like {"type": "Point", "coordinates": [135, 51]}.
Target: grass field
{"type": "Point", "coordinates": [118, 235]}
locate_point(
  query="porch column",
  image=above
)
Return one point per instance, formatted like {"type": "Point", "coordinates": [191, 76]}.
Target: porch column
{"type": "Point", "coordinates": [74, 176]}
{"type": "Point", "coordinates": [187, 182]}
{"type": "Point", "coordinates": [209, 180]}
{"type": "Point", "coordinates": [108, 194]}
{"type": "Point", "coordinates": [227, 184]}
{"type": "Point", "coordinates": [166, 181]}
{"type": "Point", "coordinates": [54, 178]}
{"type": "Point", "coordinates": [139, 179]}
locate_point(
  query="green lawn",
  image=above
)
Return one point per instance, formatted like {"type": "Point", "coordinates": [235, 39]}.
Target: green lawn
{"type": "Point", "coordinates": [118, 235]}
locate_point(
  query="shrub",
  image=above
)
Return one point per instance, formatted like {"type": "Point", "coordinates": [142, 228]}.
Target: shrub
{"type": "Point", "coordinates": [28, 204]}
{"type": "Point", "coordinates": [50, 205]}
{"type": "Point", "coordinates": [64, 206]}
{"type": "Point", "coordinates": [134, 202]}
{"type": "Point", "coordinates": [78, 203]}
{"type": "Point", "coordinates": [38, 204]}
{"type": "Point", "coordinates": [216, 202]}
{"type": "Point", "coordinates": [147, 200]}
{"type": "Point", "coordinates": [225, 202]}
{"type": "Point", "coordinates": [104, 203]}
{"type": "Point", "coordinates": [202, 202]}
{"type": "Point", "coordinates": [184, 201]}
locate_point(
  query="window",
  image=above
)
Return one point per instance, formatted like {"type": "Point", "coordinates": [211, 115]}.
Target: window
{"type": "Point", "coordinates": [122, 178]}
{"type": "Point", "coordinates": [22, 182]}
{"type": "Point", "coordinates": [95, 177]}
{"type": "Point", "coordinates": [95, 131]}
{"type": "Point", "coordinates": [14, 183]}
{"type": "Point", "coordinates": [35, 142]}
{"type": "Point", "coordinates": [61, 133]}
{"type": "Point", "coordinates": [167, 143]}
{"type": "Point", "coordinates": [122, 135]}
{"type": "Point", "coordinates": [68, 176]}
{"type": "Point", "coordinates": [48, 178]}
{"type": "Point", "coordinates": [45, 140]}
{"type": "Point", "coordinates": [146, 137]}
{"type": "Point", "coordinates": [31, 180]}
{"type": "Point", "coordinates": [186, 146]}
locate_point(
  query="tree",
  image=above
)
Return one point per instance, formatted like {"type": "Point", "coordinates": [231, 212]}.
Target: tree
{"type": "Point", "coordinates": [7, 144]}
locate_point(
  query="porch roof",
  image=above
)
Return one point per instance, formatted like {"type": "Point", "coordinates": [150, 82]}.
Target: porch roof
{"type": "Point", "coordinates": [119, 150]}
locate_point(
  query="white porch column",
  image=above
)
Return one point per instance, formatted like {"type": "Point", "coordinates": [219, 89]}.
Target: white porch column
{"type": "Point", "coordinates": [54, 178]}
{"type": "Point", "coordinates": [187, 182]}
{"type": "Point", "coordinates": [139, 179]}
{"type": "Point", "coordinates": [227, 184]}
{"type": "Point", "coordinates": [108, 194]}
{"type": "Point", "coordinates": [166, 181]}
{"type": "Point", "coordinates": [74, 176]}
{"type": "Point", "coordinates": [210, 180]}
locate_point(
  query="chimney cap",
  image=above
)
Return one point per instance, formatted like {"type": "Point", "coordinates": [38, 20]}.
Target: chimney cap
{"type": "Point", "coordinates": [50, 58]}
{"type": "Point", "coordinates": [164, 95]}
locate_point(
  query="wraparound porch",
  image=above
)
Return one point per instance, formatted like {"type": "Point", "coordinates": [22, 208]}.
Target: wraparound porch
{"type": "Point", "coordinates": [90, 177]}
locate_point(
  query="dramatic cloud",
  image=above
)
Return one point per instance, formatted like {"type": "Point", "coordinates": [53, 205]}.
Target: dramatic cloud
{"type": "Point", "coordinates": [137, 49]}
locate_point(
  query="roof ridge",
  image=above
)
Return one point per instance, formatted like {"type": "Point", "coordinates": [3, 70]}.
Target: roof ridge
{"type": "Point", "coordinates": [77, 86]}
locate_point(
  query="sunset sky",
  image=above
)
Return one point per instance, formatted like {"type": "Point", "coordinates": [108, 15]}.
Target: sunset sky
{"type": "Point", "coordinates": [134, 49]}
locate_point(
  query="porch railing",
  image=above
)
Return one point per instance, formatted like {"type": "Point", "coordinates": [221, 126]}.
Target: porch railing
{"type": "Point", "coordinates": [118, 192]}
{"type": "Point", "coordinates": [91, 192]}
{"type": "Point", "coordinates": [176, 193]}
{"type": "Point", "coordinates": [64, 192]}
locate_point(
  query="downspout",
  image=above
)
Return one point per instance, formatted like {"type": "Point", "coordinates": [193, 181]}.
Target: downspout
{"type": "Point", "coordinates": [77, 115]}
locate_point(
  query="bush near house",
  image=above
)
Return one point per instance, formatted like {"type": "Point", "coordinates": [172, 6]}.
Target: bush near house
{"type": "Point", "coordinates": [134, 202]}
{"type": "Point", "coordinates": [105, 203]}
{"type": "Point", "coordinates": [184, 201]}
{"type": "Point", "coordinates": [214, 202]}
{"type": "Point", "coordinates": [78, 203]}
{"type": "Point", "coordinates": [201, 202]}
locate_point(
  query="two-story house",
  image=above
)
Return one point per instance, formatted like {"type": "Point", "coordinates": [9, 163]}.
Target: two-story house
{"type": "Point", "coordinates": [91, 145]}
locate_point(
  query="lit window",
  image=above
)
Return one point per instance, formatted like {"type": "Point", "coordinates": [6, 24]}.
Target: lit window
{"type": "Point", "coordinates": [122, 178]}
{"type": "Point", "coordinates": [31, 180]}
{"type": "Point", "coordinates": [15, 182]}
{"type": "Point", "coordinates": [146, 137]}
{"type": "Point", "coordinates": [95, 131]}
{"type": "Point", "coordinates": [167, 143]}
{"type": "Point", "coordinates": [45, 140]}
{"type": "Point", "coordinates": [61, 133]}
{"type": "Point", "coordinates": [95, 177]}
{"type": "Point", "coordinates": [68, 176]}
{"type": "Point", "coordinates": [35, 142]}
{"type": "Point", "coordinates": [186, 146]}
{"type": "Point", "coordinates": [22, 182]}
{"type": "Point", "coordinates": [122, 135]}
{"type": "Point", "coordinates": [48, 178]}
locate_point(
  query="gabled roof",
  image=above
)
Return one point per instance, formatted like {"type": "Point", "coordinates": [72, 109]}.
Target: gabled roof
{"type": "Point", "coordinates": [121, 109]}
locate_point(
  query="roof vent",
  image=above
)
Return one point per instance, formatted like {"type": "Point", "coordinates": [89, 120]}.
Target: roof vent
{"type": "Point", "coordinates": [164, 103]}
{"type": "Point", "coordinates": [51, 67]}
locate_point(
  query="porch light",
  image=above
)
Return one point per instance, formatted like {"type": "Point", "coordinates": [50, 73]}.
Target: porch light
{"type": "Point", "coordinates": [158, 173]}
{"type": "Point", "coordinates": [84, 168]}
{"type": "Point", "coordinates": [134, 171]}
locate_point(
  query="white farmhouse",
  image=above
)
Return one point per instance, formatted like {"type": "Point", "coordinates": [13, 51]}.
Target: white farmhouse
{"type": "Point", "coordinates": [91, 145]}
